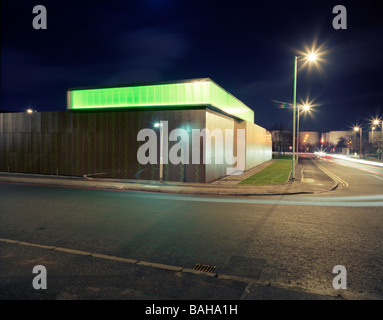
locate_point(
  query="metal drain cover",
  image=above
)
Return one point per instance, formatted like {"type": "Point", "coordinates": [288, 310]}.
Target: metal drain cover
{"type": "Point", "coordinates": [204, 268]}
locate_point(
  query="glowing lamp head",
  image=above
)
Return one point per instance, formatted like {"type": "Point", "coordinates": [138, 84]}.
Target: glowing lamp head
{"type": "Point", "coordinates": [312, 57]}
{"type": "Point", "coordinates": [376, 122]}
{"type": "Point", "coordinates": [29, 110]}
{"type": "Point", "coordinates": [157, 125]}
{"type": "Point", "coordinates": [356, 129]}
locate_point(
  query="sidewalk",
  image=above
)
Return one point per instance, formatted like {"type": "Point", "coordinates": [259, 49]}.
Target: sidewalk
{"type": "Point", "coordinates": [227, 186]}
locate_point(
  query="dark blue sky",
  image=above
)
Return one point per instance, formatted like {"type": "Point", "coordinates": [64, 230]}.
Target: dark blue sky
{"type": "Point", "coordinates": [247, 47]}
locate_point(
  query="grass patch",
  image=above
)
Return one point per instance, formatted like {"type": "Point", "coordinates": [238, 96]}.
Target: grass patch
{"type": "Point", "coordinates": [277, 173]}
{"type": "Point", "coordinates": [286, 157]}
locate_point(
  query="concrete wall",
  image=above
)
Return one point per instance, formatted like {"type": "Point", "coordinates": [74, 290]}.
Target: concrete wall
{"type": "Point", "coordinates": [257, 148]}
{"type": "Point", "coordinates": [216, 165]}
{"type": "Point", "coordinates": [258, 144]}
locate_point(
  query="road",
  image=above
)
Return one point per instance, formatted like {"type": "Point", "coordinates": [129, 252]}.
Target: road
{"type": "Point", "coordinates": [289, 240]}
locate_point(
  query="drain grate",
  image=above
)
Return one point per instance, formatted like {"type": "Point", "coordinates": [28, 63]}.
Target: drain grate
{"type": "Point", "coordinates": [204, 268]}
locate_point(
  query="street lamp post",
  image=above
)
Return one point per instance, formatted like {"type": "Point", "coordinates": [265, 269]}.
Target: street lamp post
{"type": "Point", "coordinates": [294, 112]}
{"type": "Point", "coordinates": [376, 122]}
{"type": "Point", "coordinates": [160, 125]}
{"type": "Point", "coordinates": [305, 107]}
{"type": "Point", "coordinates": [312, 56]}
{"type": "Point", "coordinates": [359, 129]}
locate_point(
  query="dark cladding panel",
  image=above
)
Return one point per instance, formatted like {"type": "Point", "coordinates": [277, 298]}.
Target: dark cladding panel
{"type": "Point", "coordinates": [66, 152]}
{"type": "Point", "coordinates": [89, 142]}
{"type": "Point", "coordinates": [88, 153]}
{"type": "Point", "coordinates": [35, 119]}
{"type": "Point", "coordinates": [35, 142]}
{"type": "Point", "coordinates": [7, 122]}
{"type": "Point", "coordinates": [67, 122]}
{"type": "Point", "coordinates": [2, 151]}
{"type": "Point", "coordinates": [16, 122]}
{"type": "Point", "coordinates": [45, 121]}
{"type": "Point", "coordinates": [78, 152]}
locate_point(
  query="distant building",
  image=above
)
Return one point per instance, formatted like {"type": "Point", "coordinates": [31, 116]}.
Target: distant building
{"type": "Point", "coordinates": [332, 137]}
{"type": "Point", "coordinates": [375, 135]}
{"type": "Point", "coordinates": [308, 138]}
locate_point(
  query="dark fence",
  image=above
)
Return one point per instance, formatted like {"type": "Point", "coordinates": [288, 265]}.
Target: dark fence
{"type": "Point", "coordinates": [77, 143]}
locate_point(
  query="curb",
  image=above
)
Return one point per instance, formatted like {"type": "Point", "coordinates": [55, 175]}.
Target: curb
{"type": "Point", "coordinates": [156, 189]}
{"type": "Point", "coordinates": [137, 186]}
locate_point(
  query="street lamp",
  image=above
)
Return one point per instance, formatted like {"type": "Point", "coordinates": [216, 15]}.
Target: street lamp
{"type": "Point", "coordinates": [306, 107]}
{"type": "Point", "coordinates": [160, 125]}
{"type": "Point", "coordinates": [376, 123]}
{"type": "Point", "coordinates": [311, 56]}
{"type": "Point", "coordinates": [359, 129]}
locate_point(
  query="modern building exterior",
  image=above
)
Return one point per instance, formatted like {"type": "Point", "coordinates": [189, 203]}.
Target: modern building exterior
{"type": "Point", "coordinates": [98, 133]}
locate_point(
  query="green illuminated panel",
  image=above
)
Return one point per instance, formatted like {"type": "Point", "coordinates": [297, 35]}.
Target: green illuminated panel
{"type": "Point", "coordinates": [160, 95]}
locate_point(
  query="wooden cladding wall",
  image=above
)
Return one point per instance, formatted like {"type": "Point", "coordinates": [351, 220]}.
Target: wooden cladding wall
{"type": "Point", "coordinates": [77, 143]}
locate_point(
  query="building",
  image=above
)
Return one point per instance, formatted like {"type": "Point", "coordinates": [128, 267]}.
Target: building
{"type": "Point", "coordinates": [333, 137]}
{"type": "Point", "coordinates": [98, 133]}
{"type": "Point", "coordinates": [375, 135]}
{"type": "Point", "coordinates": [308, 139]}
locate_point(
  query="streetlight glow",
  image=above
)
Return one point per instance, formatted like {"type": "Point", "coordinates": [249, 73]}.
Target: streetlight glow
{"type": "Point", "coordinates": [312, 56]}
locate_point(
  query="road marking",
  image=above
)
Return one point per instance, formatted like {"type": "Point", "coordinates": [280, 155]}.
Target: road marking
{"type": "Point", "coordinates": [351, 201]}
{"type": "Point", "coordinates": [330, 174]}
{"type": "Point", "coordinates": [137, 262]}
{"type": "Point", "coordinates": [350, 165]}
{"type": "Point", "coordinates": [377, 177]}
{"type": "Point", "coordinates": [308, 180]}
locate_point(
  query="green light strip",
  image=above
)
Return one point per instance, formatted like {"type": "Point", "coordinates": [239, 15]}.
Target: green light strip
{"type": "Point", "coordinates": [161, 95]}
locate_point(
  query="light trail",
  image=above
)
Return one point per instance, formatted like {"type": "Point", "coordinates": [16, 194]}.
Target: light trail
{"type": "Point", "coordinates": [351, 165]}
{"type": "Point", "coordinates": [352, 201]}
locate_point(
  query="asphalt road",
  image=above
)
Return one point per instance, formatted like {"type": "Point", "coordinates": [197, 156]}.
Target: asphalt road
{"type": "Point", "coordinates": [293, 241]}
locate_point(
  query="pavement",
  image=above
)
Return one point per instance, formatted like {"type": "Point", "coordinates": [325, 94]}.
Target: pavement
{"type": "Point", "coordinates": [309, 179]}
{"type": "Point", "coordinates": [79, 275]}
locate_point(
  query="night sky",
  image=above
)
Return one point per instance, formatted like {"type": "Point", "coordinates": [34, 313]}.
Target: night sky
{"type": "Point", "coordinates": [247, 47]}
